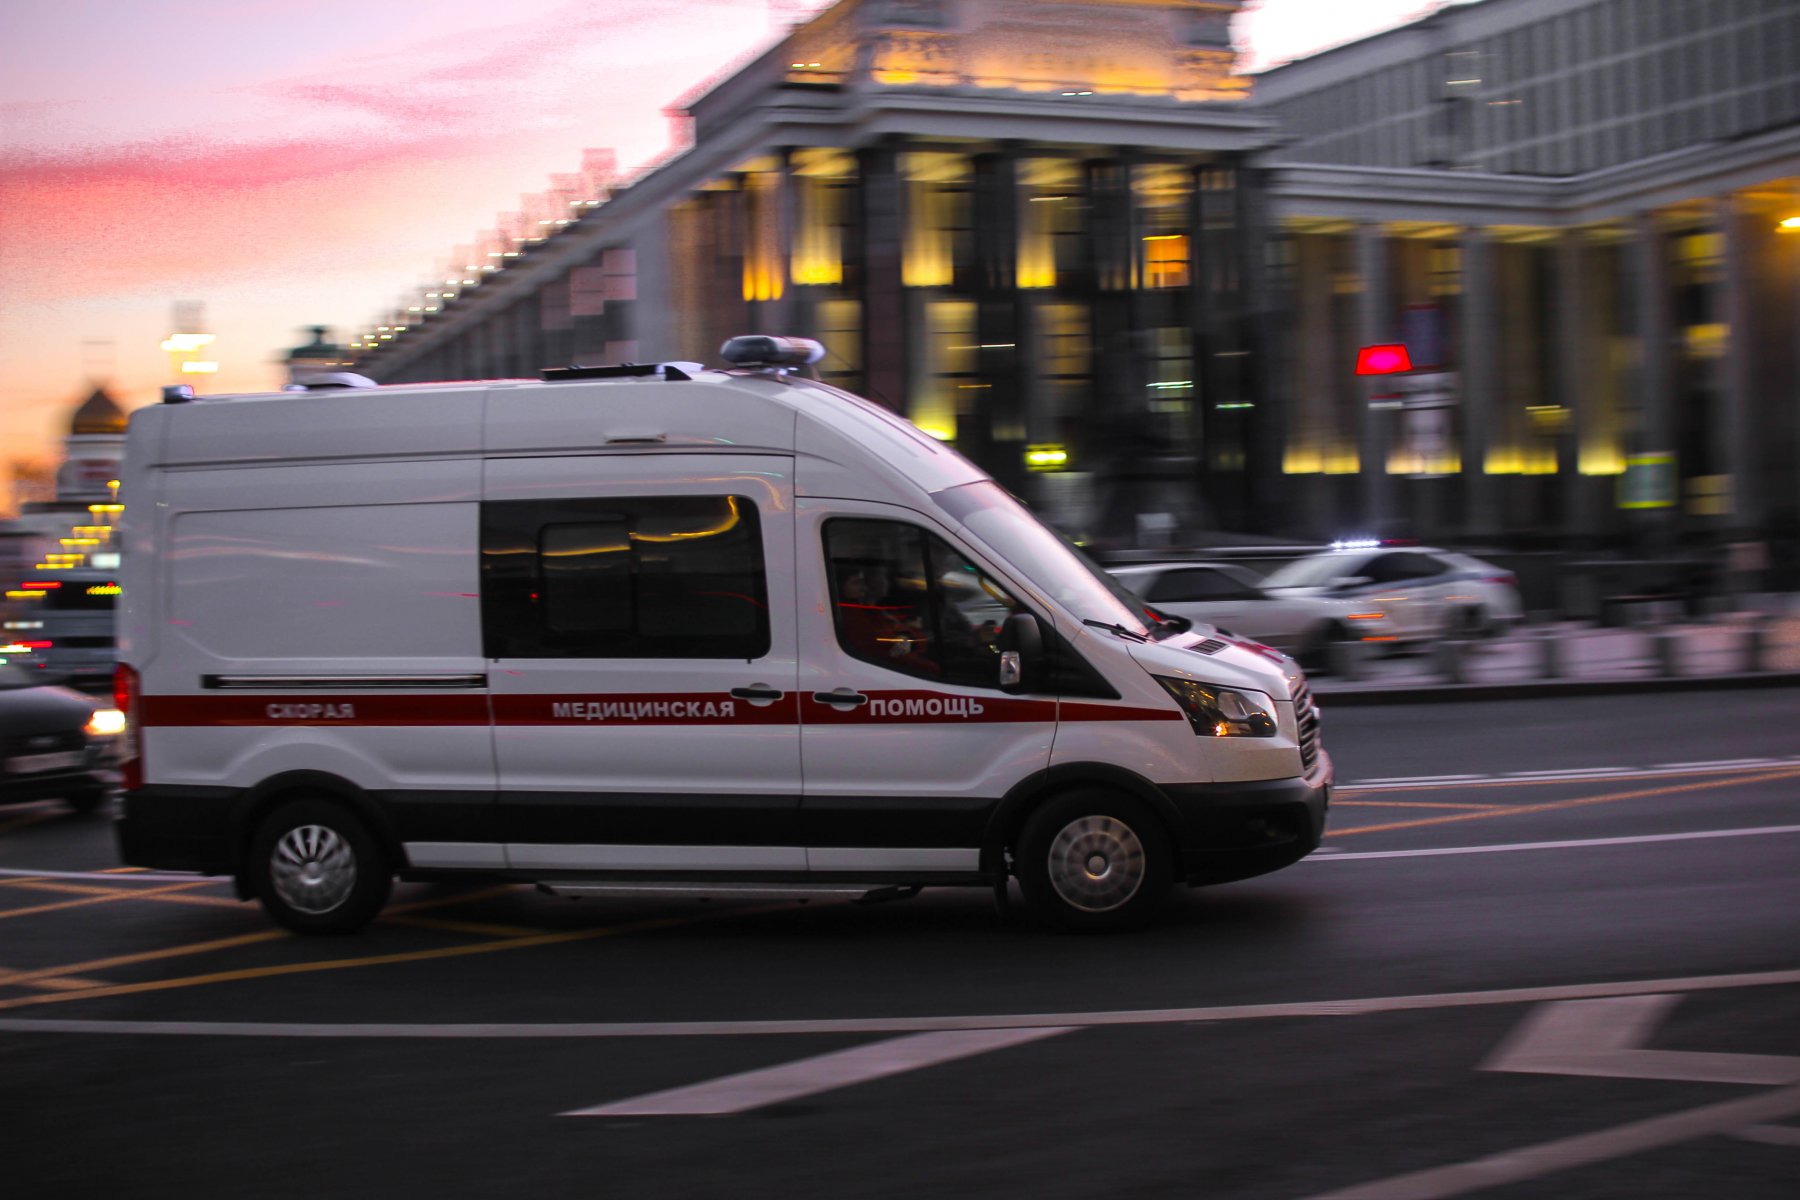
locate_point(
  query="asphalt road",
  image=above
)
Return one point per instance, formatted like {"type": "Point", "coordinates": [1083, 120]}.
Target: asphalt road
{"type": "Point", "coordinates": [1572, 971]}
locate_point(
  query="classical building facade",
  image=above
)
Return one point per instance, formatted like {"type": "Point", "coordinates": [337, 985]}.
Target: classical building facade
{"type": "Point", "coordinates": [1068, 234]}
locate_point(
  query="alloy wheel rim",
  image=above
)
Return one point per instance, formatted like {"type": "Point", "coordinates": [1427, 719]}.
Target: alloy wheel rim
{"type": "Point", "coordinates": [313, 869]}
{"type": "Point", "coordinates": [1097, 863]}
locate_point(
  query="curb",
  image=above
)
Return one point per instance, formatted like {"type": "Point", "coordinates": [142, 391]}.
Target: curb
{"type": "Point", "coordinates": [1529, 689]}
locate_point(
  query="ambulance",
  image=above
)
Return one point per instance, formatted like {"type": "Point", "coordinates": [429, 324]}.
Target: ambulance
{"type": "Point", "coordinates": [660, 630]}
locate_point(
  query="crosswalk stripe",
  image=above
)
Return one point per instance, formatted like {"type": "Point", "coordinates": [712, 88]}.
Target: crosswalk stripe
{"type": "Point", "coordinates": [823, 1073]}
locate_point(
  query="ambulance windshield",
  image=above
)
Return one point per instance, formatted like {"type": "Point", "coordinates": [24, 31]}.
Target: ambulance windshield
{"type": "Point", "coordinates": [1044, 556]}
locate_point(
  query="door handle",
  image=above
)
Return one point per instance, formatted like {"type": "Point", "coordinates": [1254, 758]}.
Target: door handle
{"type": "Point", "coordinates": [757, 691]}
{"type": "Point", "coordinates": [841, 696]}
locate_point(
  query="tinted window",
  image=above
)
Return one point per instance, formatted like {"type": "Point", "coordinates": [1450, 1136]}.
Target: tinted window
{"type": "Point", "coordinates": [647, 577]}
{"type": "Point", "coordinates": [1198, 583]}
{"type": "Point", "coordinates": [1388, 568]}
{"type": "Point", "coordinates": [904, 599]}
{"type": "Point", "coordinates": [75, 596]}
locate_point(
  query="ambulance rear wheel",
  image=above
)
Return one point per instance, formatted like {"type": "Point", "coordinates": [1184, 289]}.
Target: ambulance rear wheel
{"type": "Point", "coordinates": [316, 868]}
{"type": "Point", "coordinates": [1094, 860]}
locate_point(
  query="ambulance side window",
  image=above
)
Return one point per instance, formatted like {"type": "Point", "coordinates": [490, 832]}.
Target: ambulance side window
{"type": "Point", "coordinates": [638, 577]}
{"type": "Point", "coordinates": [904, 599]}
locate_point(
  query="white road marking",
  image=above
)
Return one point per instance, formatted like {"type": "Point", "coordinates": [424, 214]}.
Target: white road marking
{"type": "Point", "coordinates": [1573, 774]}
{"type": "Point", "coordinates": [824, 1073]}
{"type": "Point", "coordinates": [1578, 844]}
{"type": "Point", "coordinates": [1603, 1037]}
{"type": "Point", "coordinates": [1565, 773]}
{"type": "Point", "coordinates": [1530, 1162]}
{"type": "Point", "coordinates": [1723, 762]}
{"type": "Point", "coordinates": [1771, 1135]}
{"type": "Point", "coordinates": [851, 1025]}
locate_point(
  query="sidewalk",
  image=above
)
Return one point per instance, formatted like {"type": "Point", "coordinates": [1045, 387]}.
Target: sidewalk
{"type": "Point", "coordinates": [1742, 649]}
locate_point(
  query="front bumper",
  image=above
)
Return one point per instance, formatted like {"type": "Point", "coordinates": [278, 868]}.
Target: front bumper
{"type": "Point", "coordinates": [60, 786]}
{"type": "Point", "coordinates": [1233, 831]}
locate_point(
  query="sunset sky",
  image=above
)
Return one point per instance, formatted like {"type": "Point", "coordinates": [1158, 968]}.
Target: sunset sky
{"type": "Point", "coordinates": [291, 164]}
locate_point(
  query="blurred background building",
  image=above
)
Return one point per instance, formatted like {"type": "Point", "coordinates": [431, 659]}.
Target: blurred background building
{"type": "Point", "coordinates": [1069, 237]}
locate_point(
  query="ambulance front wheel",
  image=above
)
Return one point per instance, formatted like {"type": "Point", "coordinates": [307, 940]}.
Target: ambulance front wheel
{"type": "Point", "coordinates": [1094, 860]}
{"type": "Point", "coordinates": [316, 868]}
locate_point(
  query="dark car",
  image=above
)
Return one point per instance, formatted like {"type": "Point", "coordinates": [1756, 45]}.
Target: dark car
{"type": "Point", "coordinates": [55, 742]}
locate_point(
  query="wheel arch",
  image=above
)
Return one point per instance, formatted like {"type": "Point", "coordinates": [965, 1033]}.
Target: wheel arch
{"type": "Point", "coordinates": [1029, 794]}
{"type": "Point", "coordinates": [265, 797]}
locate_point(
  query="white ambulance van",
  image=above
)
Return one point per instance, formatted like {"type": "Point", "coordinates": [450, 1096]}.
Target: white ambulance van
{"type": "Point", "coordinates": [659, 629]}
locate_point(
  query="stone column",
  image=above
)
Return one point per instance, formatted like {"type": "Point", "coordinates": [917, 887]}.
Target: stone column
{"type": "Point", "coordinates": [881, 246]}
{"type": "Point", "coordinates": [1263, 437]}
{"type": "Point", "coordinates": [1375, 324]}
{"type": "Point", "coordinates": [1480, 380]}
{"type": "Point", "coordinates": [997, 417]}
{"type": "Point", "coordinates": [781, 315]}
{"type": "Point", "coordinates": [1653, 318]}
{"type": "Point", "coordinates": [1574, 343]}
{"type": "Point", "coordinates": [1738, 373]}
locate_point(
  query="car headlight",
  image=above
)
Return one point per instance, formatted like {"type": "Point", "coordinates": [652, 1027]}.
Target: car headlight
{"type": "Point", "coordinates": [106, 722]}
{"type": "Point", "coordinates": [1216, 711]}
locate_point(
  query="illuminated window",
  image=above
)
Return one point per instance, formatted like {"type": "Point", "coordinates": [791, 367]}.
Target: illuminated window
{"type": "Point", "coordinates": [1051, 220]}
{"type": "Point", "coordinates": [939, 236]}
{"type": "Point", "coordinates": [947, 385]}
{"type": "Point", "coordinates": [763, 266]}
{"type": "Point", "coordinates": [1163, 192]}
{"type": "Point", "coordinates": [838, 326]}
{"type": "Point", "coordinates": [824, 182]}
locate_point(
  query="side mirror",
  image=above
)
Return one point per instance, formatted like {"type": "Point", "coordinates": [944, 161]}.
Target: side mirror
{"type": "Point", "coordinates": [1175, 624]}
{"type": "Point", "coordinates": [1344, 583]}
{"type": "Point", "coordinates": [1021, 647]}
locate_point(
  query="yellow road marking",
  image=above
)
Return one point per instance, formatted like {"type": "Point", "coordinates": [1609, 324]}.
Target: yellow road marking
{"type": "Point", "coordinates": [172, 892]}
{"type": "Point", "coordinates": [207, 947]}
{"type": "Point", "coordinates": [1579, 802]}
{"type": "Point", "coordinates": [121, 870]}
{"type": "Point", "coordinates": [542, 939]}
{"type": "Point", "coordinates": [161, 893]}
{"type": "Point", "coordinates": [61, 983]}
{"type": "Point", "coordinates": [68, 983]}
{"type": "Point", "coordinates": [122, 960]}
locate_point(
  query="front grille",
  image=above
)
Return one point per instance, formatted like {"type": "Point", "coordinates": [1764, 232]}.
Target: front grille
{"type": "Point", "coordinates": [43, 743]}
{"type": "Point", "coordinates": [1306, 714]}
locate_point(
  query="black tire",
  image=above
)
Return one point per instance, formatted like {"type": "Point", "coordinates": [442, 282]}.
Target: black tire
{"type": "Point", "coordinates": [1094, 860]}
{"type": "Point", "coordinates": [1314, 652]}
{"type": "Point", "coordinates": [316, 868]}
{"type": "Point", "coordinates": [86, 801]}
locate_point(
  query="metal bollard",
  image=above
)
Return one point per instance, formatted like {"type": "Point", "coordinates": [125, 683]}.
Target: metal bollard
{"type": "Point", "coordinates": [1553, 662]}
{"type": "Point", "coordinates": [1664, 652]}
{"type": "Point", "coordinates": [1346, 659]}
{"type": "Point", "coordinates": [1452, 660]}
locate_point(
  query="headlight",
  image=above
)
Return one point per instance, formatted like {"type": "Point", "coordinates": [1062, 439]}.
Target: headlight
{"type": "Point", "coordinates": [106, 722]}
{"type": "Point", "coordinates": [1216, 711]}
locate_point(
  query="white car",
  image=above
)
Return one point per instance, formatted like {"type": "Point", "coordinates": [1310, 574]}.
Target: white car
{"type": "Point", "coordinates": [1367, 594]}
{"type": "Point", "coordinates": [1236, 601]}
{"type": "Point", "coordinates": [1423, 592]}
